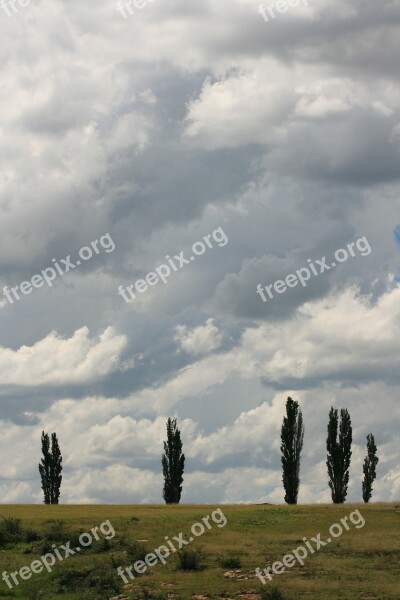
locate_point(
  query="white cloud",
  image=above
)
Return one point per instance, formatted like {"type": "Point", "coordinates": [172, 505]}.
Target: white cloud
{"type": "Point", "coordinates": [200, 340]}
{"type": "Point", "coordinates": [54, 360]}
{"type": "Point", "coordinates": [260, 103]}
{"type": "Point", "coordinates": [335, 337]}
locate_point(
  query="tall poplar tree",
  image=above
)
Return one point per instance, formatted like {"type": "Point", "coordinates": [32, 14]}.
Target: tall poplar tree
{"type": "Point", "coordinates": [369, 468]}
{"type": "Point", "coordinates": [50, 468]}
{"type": "Point", "coordinates": [339, 453]}
{"type": "Point", "coordinates": [173, 463]}
{"type": "Point", "coordinates": [45, 467]}
{"type": "Point", "coordinates": [292, 436]}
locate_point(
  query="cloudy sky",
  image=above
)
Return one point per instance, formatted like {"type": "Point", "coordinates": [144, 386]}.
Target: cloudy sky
{"type": "Point", "coordinates": [159, 128]}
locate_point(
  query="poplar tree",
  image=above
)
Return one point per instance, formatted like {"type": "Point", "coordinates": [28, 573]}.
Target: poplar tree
{"type": "Point", "coordinates": [173, 463]}
{"type": "Point", "coordinates": [292, 436]}
{"type": "Point", "coordinates": [45, 467]}
{"type": "Point", "coordinates": [339, 453]}
{"type": "Point", "coordinates": [50, 468]}
{"type": "Point", "coordinates": [369, 468]}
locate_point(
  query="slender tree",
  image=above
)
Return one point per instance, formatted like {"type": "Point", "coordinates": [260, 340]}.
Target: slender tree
{"type": "Point", "coordinates": [173, 463]}
{"type": "Point", "coordinates": [292, 436]}
{"type": "Point", "coordinates": [50, 468]}
{"type": "Point", "coordinates": [56, 477]}
{"type": "Point", "coordinates": [369, 468]}
{"type": "Point", "coordinates": [339, 453]}
{"type": "Point", "coordinates": [45, 467]}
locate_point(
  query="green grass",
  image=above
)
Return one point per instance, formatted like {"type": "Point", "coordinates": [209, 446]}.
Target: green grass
{"type": "Point", "coordinates": [361, 564]}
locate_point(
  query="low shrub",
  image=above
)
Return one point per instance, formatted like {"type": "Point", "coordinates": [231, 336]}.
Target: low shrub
{"type": "Point", "coordinates": [11, 525]}
{"type": "Point", "coordinates": [189, 560]}
{"type": "Point", "coordinates": [97, 581]}
{"type": "Point", "coordinates": [69, 577]}
{"type": "Point", "coordinates": [117, 559]}
{"type": "Point", "coordinates": [55, 531]}
{"type": "Point", "coordinates": [73, 538]}
{"type": "Point", "coordinates": [10, 531]}
{"type": "Point", "coordinates": [34, 590]}
{"type": "Point", "coordinates": [99, 546]}
{"type": "Point", "coordinates": [272, 593]}
{"type": "Point", "coordinates": [135, 551]}
{"type": "Point", "coordinates": [231, 562]}
{"type": "Point", "coordinates": [30, 535]}
{"type": "Point", "coordinates": [104, 581]}
{"type": "Point", "coordinates": [44, 548]}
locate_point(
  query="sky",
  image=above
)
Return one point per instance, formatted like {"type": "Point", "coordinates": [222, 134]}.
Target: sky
{"type": "Point", "coordinates": [257, 145]}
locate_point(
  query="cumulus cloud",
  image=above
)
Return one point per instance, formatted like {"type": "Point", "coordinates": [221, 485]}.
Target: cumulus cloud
{"type": "Point", "coordinates": [355, 333]}
{"type": "Point", "coordinates": [54, 360]}
{"type": "Point", "coordinates": [200, 340]}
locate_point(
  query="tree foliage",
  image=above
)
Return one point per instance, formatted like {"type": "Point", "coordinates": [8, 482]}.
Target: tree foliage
{"type": "Point", "coordinates": [173, 463]}
{"type": "Point", "coordinates": [50, 468]}
{"type": "Point", "coordinates": [339, 453]}
{"type": "Point", "coordinates": [369, 468]}
{"type": "Point", "coordinates": [292, 436]}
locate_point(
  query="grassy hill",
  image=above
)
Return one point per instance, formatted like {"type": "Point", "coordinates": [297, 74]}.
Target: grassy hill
{"type": "Point", "coordinates": [362, 563]}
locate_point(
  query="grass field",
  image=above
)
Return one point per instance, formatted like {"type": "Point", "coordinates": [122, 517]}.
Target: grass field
{"type": "Point", "coordinates": [361, 564]}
